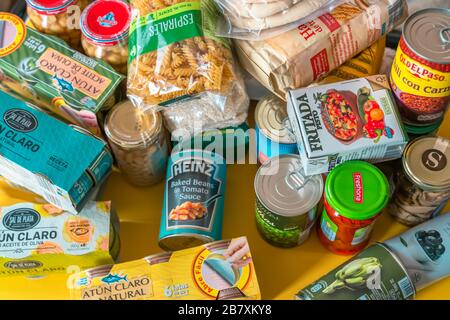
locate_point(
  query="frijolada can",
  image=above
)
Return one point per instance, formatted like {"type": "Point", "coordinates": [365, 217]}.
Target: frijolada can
{"type": "Point", "coordinates": [272, 129]}
{"type": "Point", "coordinates": [193, 200]}
{"type": "Point", "coordinates": [286, 201]}
{"type": "Point", "coordinates": [374, 274]}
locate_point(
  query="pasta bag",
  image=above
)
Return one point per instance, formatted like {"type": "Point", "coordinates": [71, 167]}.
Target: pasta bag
{"type": "Point", "coordinates": [177, 65]}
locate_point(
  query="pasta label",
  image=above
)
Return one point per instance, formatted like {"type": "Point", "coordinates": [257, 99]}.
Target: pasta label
{"type": "Point", "coordinates": [164, 27]}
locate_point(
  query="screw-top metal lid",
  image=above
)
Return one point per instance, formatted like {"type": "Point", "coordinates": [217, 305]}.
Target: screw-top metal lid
{"type": "Point", "coordinates": [426, 163]}
{"type": "Point", "coordinates": [50, 6]}
{"type": "Point", "coordinates": [282, 187]}
{"type": "Point", "coordinates": [271, 118]}
{"type": "Point", "coordinates": [427, 34]}
{"type": "Point", "coordinates": [132, 127]}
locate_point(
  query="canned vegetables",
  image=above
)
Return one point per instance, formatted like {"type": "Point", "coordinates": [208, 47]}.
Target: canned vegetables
{"type": "Point", "coordinates": [286, 201]}
{"type": "Point", "coordinates": [355, 194]}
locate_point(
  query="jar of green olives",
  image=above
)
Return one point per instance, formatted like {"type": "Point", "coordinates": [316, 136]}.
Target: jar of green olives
{"type": "Point", "coordinates": [57, 18]}
{"type": "Point", "coordinates": [286, 201]}
{"type": "Point", "coordinates": [105, 25]}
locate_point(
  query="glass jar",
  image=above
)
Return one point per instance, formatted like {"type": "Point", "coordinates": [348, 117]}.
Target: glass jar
{"type": "Point", "coordinates": [55, 17]}
{"type": "Point", "coordinates": [105, 25]}
{"type": "Point", "coordinates": [355, 194]}
{"type": "Point", "coordinates": [423, 184]}
{"type": "Point", "coordinates": [139, 143]}
{"type": "Point", "coordinates": [415, 131]}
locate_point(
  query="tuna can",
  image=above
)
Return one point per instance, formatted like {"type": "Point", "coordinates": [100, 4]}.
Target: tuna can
{"type": "Point", "coordinates": [374, 274]}
{"type": "Point", "coordinates": [274, 137]}
{"type": "Point", "coordinates": [286, 201]}
{"type": "Point", "coordinates": [420, 74]}
{"type": "Point", "coordinates": [193, 200]}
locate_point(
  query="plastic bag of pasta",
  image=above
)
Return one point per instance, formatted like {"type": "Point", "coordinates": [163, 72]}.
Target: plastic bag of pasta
{"type": "Point", "coordinates": [179, 66]}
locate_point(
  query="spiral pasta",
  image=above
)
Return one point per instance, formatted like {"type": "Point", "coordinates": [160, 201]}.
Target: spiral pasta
{"type": "Point", "coordinates": [189, 66]}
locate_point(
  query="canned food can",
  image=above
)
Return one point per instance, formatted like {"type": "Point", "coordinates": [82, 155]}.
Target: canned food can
{"type": "Point", "coordinates": [272, 129]}
{"type": "Point", "coordinates": [286, 201]}
{"type": "Point", "coordinates": [374, 274]}
{"type": "Point", "coordinates": [420, 74]}
{"type": "Point", "coordinates": [193, 200]}
{"type": "Point", "coordinates": [424, 251]}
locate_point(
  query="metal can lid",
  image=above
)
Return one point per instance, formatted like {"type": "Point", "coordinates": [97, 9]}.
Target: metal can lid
{"type": "Point", "coordinates": [130, 127]}
{"type": "Point", "coordinates": [270, 117]}
{"type": "Point", "coordinates": [422, 129]}
{"type": "Point", "coordinates": [50, 6]}
{"type": "Point", "coordinates": [425, 162]}
{"type": "Point", "coordinates": [282, 187]}
{"type": "Point", "coordinates": [427, 34]}
{"type": "Point", "coordinates": [357, 190]}
{"type": "Point", "coordinates": [106, 22]}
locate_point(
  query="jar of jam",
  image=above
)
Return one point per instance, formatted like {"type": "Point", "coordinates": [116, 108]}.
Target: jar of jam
{"type": "Point", "coordinates": [423, 181]}
{"type": "Point", "coordinates": [355, 194]}
{"type": "Point", "coordinates": [57, 18]}
{"type": "Point", "coordinates": [105, 25]}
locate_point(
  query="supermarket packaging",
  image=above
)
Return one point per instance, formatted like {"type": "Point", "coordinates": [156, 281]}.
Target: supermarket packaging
{"type": "Point", "coordinates": [349, 120]}
{"type": "Point", "coordinates": [306, 54]}
{"type": "Point", "coordinates": [59, 162]}
{"type": "Point", "coordinates": [201, 273]}
{"type": "Point", "coordinates": [184, 70]}
{"type": "Point", "coordinates": [45, 71]}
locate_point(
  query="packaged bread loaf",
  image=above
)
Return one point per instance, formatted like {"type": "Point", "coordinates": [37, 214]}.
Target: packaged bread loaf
{"type": "Point", "coordinates": [176, 61]}
{"type": "Point", "coordinates": [308, 53]}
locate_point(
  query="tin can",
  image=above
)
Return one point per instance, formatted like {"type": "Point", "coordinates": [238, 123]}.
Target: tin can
{"type": "Point", "coordinates": [374, 274]}
{"type": "Point", "coordinates": [193, 200]}
{"type": "Point", "coordinates": [424, 251]}
{"type": "Point", "coordinates": [423, 184]}
{"type": "Point", "coordinates": [139, 143]}
{"type": "Point", "coordinates": [273, 132]}
{"type": "Point", "coordinates": [104, 26]}
{"type": "Point", "coordinates": [420, 74]}
{"type": "Point", "coordinates": [355, 194]}
{"type": "Point", "coordinates": [286, 201]}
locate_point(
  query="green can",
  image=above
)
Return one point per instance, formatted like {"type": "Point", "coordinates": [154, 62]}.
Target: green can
{"type": "Point", "coordinates": [286, 201]}
{"type": "Point", "coordinates": [374, 274]}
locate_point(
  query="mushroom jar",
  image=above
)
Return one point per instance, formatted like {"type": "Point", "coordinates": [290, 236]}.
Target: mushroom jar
{"type": "Point", "coordinates": [423, 186]}
{"type": "Point", "coordinates": [105, 25]}
{"type": "Point", "coordinates": [139, 143]}
{"type": "Point", "coordinates": [57, 18]}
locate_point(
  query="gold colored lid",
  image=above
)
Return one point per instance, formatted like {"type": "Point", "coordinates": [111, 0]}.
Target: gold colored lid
{"type": "Point", "coordinates": [426, 163]}
{"type": "Point", "coordinates": [132, 127]}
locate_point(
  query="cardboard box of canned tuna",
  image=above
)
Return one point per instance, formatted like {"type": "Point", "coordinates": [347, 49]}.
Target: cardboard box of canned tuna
{"type": "Point", "coordinates": [134, 166]}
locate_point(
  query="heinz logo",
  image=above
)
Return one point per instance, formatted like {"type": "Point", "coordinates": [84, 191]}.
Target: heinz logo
{"type": "Point", "coordinates": [358, 190]}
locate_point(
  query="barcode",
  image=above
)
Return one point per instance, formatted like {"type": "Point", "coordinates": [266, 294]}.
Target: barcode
{"type": "Point", "coordinates": [364, 297]}
{"type": "Point", "coordinates": [406, 287]}
{"type": "Point", "coordinates": [393, 152]}
{"type": "Point", "coordinates": [49, 191]}
{"type": "Point", "coordinates": [395, 11]}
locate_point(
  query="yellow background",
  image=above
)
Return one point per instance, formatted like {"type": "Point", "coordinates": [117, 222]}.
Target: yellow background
{"type": "Point", "coordinates": [281, 272]}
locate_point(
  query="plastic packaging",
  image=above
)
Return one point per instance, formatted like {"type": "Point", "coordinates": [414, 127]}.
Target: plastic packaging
{"type": "Point", "coordinates": [57, 18]}
{"type": "Point", "coordinates": [176, 61]}
{"type": "Point", "coordinates": [263, 19]}
{"type": "Point", "coordinates": [105, 25]}
{"type": "Point", "coordinates": [138, 142]}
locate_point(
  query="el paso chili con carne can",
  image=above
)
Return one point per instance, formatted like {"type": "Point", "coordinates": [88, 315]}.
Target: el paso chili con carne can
{"type": "Point", "coordinates": [420, 76]}
{"type": "Point", "coordinates": [355, 194]}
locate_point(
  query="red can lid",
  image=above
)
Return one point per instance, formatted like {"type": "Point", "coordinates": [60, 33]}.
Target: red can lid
{"type": "Point", "coordinates": [106, 22]}
{"type": "Point", "coordinates": [50, 6]}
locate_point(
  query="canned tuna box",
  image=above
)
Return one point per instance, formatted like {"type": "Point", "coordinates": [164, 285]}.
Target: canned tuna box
{"type": "Point", "coordinates": [424, 250]}
{"type": "Point", "coordinates": [350, 120]}
{"type": "Point", "coordinates": [59, 162]}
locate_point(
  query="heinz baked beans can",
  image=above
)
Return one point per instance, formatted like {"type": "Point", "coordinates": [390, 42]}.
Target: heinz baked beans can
{"type": "Point", "coordinates": [193, 200]}
{"type": "Point", "coordinates": [420, 76]}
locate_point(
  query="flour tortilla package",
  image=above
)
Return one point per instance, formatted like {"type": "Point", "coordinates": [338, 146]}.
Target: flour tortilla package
{"type": "Point", "coordinates": [308, 53]}
{"type": "Point", "coordinates": [179, 66]}
{"type": "Point", "coordinates": [262, 19]}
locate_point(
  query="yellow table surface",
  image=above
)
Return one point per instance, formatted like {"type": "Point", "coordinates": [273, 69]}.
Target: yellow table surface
{"type": "Point", "coordinates": [280, 272]}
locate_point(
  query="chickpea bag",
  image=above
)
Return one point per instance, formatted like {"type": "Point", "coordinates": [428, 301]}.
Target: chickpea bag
{"type": "Point", "coordinates": [178, 65]}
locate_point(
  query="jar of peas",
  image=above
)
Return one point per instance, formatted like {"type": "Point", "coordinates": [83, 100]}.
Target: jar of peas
{"type": "Point", "coordinates": [355, 194]}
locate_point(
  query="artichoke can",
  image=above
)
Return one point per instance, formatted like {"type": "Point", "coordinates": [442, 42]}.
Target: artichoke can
{"type": "Point", "coordinates": [374, 274]}
{"type": "Point", "coordinates": [286, 201]}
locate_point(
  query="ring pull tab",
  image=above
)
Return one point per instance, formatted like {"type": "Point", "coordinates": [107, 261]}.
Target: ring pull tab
{"type": "Point", "coordinates": [288, 126]}
{"type": "Point", "coordinates": [445, 38]}
{"type": "Point", "coordinates": [296, 179]}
